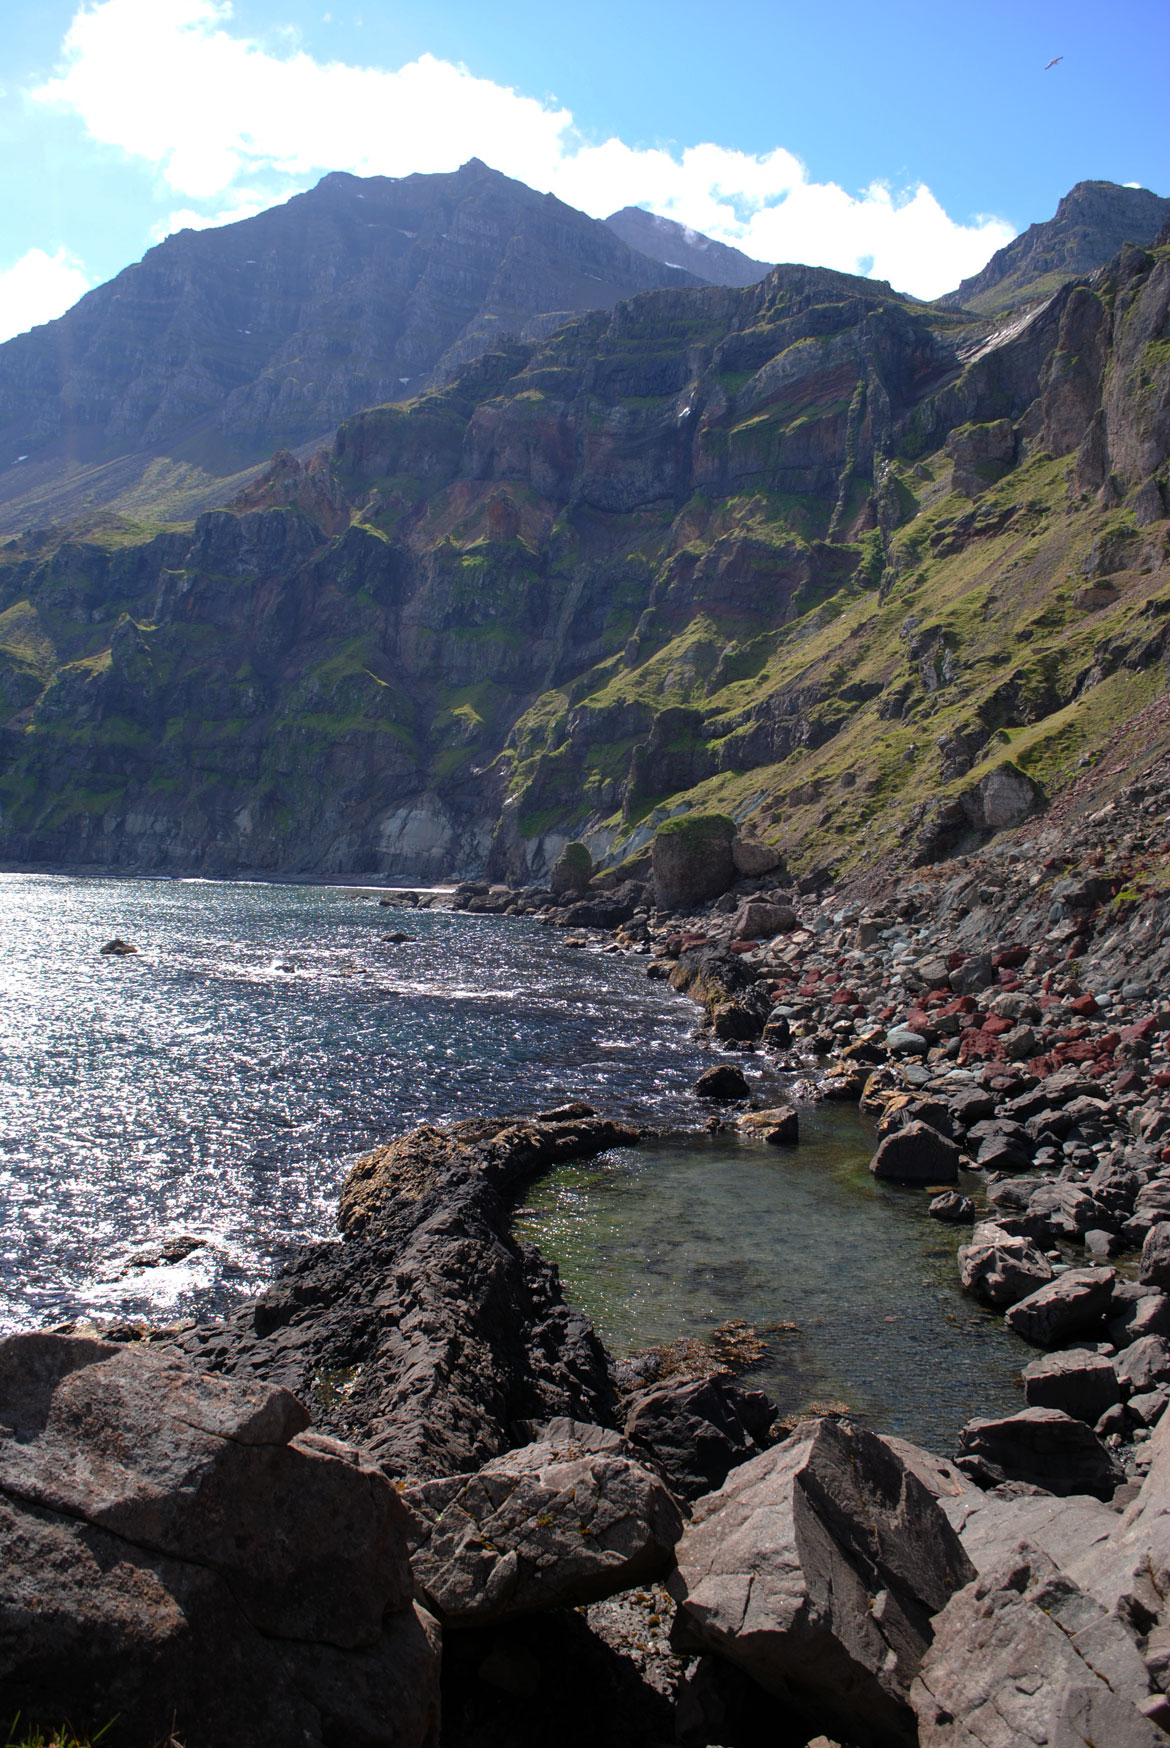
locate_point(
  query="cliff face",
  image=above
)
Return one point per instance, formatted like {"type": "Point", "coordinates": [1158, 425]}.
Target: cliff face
{"type": "Point", "coordinates": [806, 552]}
{"type": "Point", "coordinates": [1090, 225]}
{"type": "Point", "coordinates": [223, 345]}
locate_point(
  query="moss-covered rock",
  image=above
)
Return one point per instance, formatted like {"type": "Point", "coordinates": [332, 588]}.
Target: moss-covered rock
{"type": "Point", "coordinates": [692, 859]}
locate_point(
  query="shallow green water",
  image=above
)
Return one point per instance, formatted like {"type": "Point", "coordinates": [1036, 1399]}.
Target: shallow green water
{"type": "Point", "coordinates": [674, 1238]}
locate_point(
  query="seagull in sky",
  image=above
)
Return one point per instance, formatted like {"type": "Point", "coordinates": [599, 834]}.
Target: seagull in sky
{"type": "Point", "coordinates": [1053, 61]}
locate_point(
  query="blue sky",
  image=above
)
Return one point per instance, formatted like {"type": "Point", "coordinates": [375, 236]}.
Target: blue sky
{"type": "Point", "coordinates": [909, 142]}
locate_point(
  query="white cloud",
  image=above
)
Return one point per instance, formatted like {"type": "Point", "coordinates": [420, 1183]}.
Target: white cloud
{"type": "Point", "coordinates": [37, 288]}
{"type": "Point", "coordinates": [167, 82]}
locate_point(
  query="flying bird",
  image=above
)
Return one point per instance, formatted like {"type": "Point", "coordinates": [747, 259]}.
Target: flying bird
{"type": "Point", "coordinates": [1053, 61]}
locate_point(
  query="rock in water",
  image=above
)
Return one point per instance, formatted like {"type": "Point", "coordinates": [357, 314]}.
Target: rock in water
{"type": "Point", "coordinates": [181, 1554]}
{"type": "Point", "coordinates": [117, 948]}
{"type": "Point", "coordinates": [724, 1084]}
{"type": "Point", "coordinates": [816, 1569]}
{"type": "Point", "coordinates": [565, 1521]}
{"type": "Point", "coordinates": [999, 1268]}
{"type": "Point", "coordinates": [1041, 1447]}
{"type": "Point", "coordinates": [917, 1154]}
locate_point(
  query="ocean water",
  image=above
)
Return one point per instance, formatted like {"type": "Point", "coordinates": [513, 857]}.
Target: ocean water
{"type": "Point", "coordinates": [218, 1083]}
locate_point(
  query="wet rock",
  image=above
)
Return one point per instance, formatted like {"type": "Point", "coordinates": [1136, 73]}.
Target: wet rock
{"type": "Point", "coordinates": [1080, 1384]}
{"type": "Point", "coordinates": [1042, 1448]}
{"type": "Point", "coordinates": [916, 1153]}
{"type": "Point", "coordinates": [1073, 1304]}
{"type": "Point", "coordinates": [733, 1021]}
{"type": "Point", "coordinates": [1000, 1269]}
{"type": "Point", "coordinates": [117, 949]}
{"type": "Point", "coordinates": [698, 1430]}
{"type": "Point", "coordinates": [724, 1083]}
{"type": "Point", "coordinates": [181, 1554]}
{"type": "Point", "coordinates": [815, 1569]}
{"type": "Point", "coordinates": [780, 1126]}
{"type": "Point", "coordinates": [1025, 1656]}
{"type": "Point", "coordinates": [953, 1209]}
{"type": "Point", "coordinates": [566, 1520]}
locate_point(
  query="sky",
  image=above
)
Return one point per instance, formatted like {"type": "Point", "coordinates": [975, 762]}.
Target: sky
{"type": "Point", "coordinates": [906, 142]}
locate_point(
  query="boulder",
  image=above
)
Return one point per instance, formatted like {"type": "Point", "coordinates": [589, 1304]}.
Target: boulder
{"type": "Point", "coordinates": [953, 1209]}
{"type": "Point", "coordinates": [918, 1154]}
{"type": "Point", "coordinates": [815, 1569]}
{"type": "Point", "coordinates": [1081, 1384]}
{"type": "Point", "coordinates": [564, 1521]}
{"type": "Point", "coordinates": [1000, 1269]}
{"type": "Point", "coordinates": [1024, 1656]}
{"type": "Point", "coordinates": [753, 857]}
{"type": "Point", "coordinates": [696, 1431]}
{"type": "Point", "coordinates": [1143, 1365]}
{"type": "Point", "coordinates": [1071, 1305]}
{"type": "Point", "coordinates": [691, 860]}
{"type": "Point", "coordinates": [758, 919]}
{"type": "Point", "coordinates": [571, 872]}
{"type": "Point", "coordinates": [780, 1125]}
{"type": "Point", "coordinates": [724, 1083]}
{"type": "Point", "coordinates": [1155, 1264]}
{"type": "Point", "coordinates": [1040, 1447]}
{"type": "Point", "coordinates": [117, 949]}
{"type": "Point", "coordinates": [991, 1525]}
{"type": "Point", "coordinates": [905, 1041]}
{"type": "Point", "coordinates": [735, 1022]}
{"type": "Point", "coordinates": [1137, 1311]}
{"type": "Point", "coordinates": [181, 1554]}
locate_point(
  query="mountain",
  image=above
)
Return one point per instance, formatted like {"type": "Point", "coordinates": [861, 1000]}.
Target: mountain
{"type": "Point", "coordinates": [224, 345]}
{"type": "Point", "coordinates": [664, 240]}
{"type": "Point", "coordinates": [865, 573]}
{"type": "Point", "coordinates": [1091, 223]}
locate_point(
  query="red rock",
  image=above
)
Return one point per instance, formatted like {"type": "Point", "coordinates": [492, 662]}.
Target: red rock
{"type": "Point", "coordinates": [858, 1011]}
{"type": "Point", "coordinates": [996, 1025]}
{"type": "Point", "coordinates": [844, 997]}
{"type": "Point", "coordinates": [1140, 1029]}
{"type": "Point", "coordinates": [743, 946]}
{"type": "Point", "coordinates": [1161, 1080]}
{"type": "Point", "coordinates": [1085, 1006]}
{"type": "Point", "coordinates": [980, 1046]}
{"type": "Point", "coordinates": [1008, 957]}
{"type": "Point", "coordinates": [1108, 1043]}
{"type": "Point", "coordinates": [1164, 1156]}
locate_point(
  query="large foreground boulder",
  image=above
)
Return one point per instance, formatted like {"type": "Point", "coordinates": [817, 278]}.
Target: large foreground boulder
{"type": "Point", "coordinates": [816, 1569]}
{"type": "Point", "coordinates": [1024, 1656]}
{"type": "Point", "coordinates": [564, 1521]}
{"type": "Point", "coordinates": [179, 1553]}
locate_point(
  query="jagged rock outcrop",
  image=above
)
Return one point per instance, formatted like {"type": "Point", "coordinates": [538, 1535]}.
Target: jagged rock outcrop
{"type": "Point", "coordinates": [430, 1335]}
{"type": "Point", "coordinates": [678, 245]}
{"type": "Point", "coordinates": [1091, 223]}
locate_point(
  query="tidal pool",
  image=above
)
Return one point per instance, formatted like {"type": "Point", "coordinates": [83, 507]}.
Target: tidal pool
{"type": "Point", "coordinates": [675, 1237]}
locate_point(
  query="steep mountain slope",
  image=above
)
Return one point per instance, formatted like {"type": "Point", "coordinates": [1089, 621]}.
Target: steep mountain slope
{"type": "Point", "coordinates": [1090, 225]}
{"type": "Point", "coordinates": [222, 345]}
{"type": "Point", "coordinates": [665, 240]}
{"type": "Point", "coordinates": [874, 575]}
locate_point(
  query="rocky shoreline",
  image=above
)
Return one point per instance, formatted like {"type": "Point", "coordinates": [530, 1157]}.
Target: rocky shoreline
{"type": "Point", "coordinates": [406, 1497]}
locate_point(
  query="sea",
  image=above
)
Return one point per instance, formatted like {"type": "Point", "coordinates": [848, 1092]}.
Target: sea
{"type": "Point", "coordinates": [214, 1087]}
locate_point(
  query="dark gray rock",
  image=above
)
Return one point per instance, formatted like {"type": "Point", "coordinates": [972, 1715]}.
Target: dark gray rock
{"type": "Point", "coordinates": [696, 1431]}
{"type": "Point", "coordinates": [1155, 1264]}
{"type": "Point", "coordinates": [181, 1554]}
{"type": "Point", "coordinates": [781, 1572]}
{"type": "Point", "coordinates": [1081, 1384]}
{"type": "Point", "coordinates": [953, 1209]}
{"type": "Point", "coordinates": [916, 1153]}
{"type": "Point", "coordinates": [1073, 1304]}
{"type": "Point", "coordinates": [1000, 1268]}
{"type": "Point", "coordinates": [724, 1084]}
{"type": "Point", "coordinates": [1042, 1448]}
{"type": "Point", "coordinates": [564, 1521]}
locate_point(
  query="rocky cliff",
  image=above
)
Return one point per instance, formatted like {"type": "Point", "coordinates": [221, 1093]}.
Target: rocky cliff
{"type": "Point", "coordinates": [871, 575]}
{"type": "Point", "coordinates": [1091, 223]}
{"type": "Point", "coordinates": [222, 345]}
